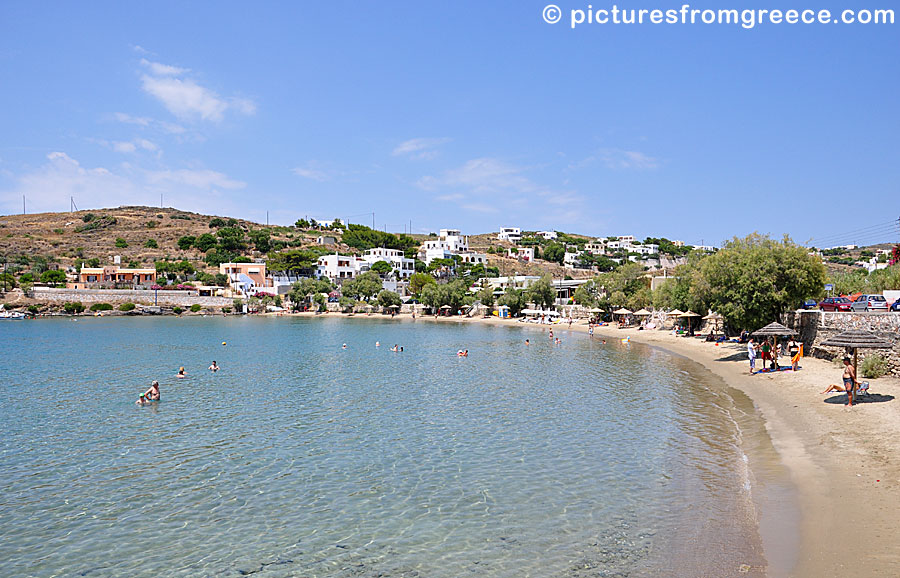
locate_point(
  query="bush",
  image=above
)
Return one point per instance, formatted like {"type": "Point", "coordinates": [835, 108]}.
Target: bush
{"type": "Point", "coordinates": [152, 224]}
{"type": "Point", "coordinates": [96, 224]}
{"type": "Point", "coordinates": [178, 310]}
{"type": "Point", "coordinates": [53, 277]}
{"type": "Point", "coordinates": [151, 244]}
{"type": "Point", "coordinates": [72, 307]}
{"type": "Point", "coordinates": [7, 280]}
{"type": "Point", "coordinates": [127, 307]}
{"type": "Point", "coordinates": [101, 307]}
{"type": "Point", "coordinates": [8, 306]}
{"type": "Point", "coordinates": [226, 309]}
{"type": "Point", "coordinates": [33, 309]}
{"type": "Point", "coordinates": [121, 243]}
{"type": "Point", "coordinates": [89, 217]}
{"type": "Point", "coordinates": [873, 366]}
{"type": "Point", "coordinates": [58, 231]}
{"type": "Point", "coordinates": [196, 307]}
{"type": "Point", "coordinates": [216, 223]}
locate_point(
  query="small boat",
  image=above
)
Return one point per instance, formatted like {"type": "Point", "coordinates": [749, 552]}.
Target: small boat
{"type": "Point", "coordinates": [11, 315]}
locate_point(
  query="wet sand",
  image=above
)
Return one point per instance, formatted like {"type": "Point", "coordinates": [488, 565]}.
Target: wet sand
{"type": "Point", "coordinates": [844, 462]}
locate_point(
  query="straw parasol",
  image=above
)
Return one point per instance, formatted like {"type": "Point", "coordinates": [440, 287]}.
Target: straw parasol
{"type": "Point", "coordinates": [642, 313]}
{"type": "Point", "coordinates": [856, 339]}
{"type": "Point", "coordinates": [715, 318]}
{"type": "Point", "coordinates": [622, 311]}
{"type": "Point", "coordinates": [689, 317]}
{"type": "Point", "coordinates": [774, 329]}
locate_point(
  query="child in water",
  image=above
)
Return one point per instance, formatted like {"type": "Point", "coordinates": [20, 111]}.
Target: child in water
{"type": "Point", "coordinates": [181, 374]}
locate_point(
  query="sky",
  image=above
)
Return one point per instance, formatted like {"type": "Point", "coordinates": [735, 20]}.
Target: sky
{"type": "Point", "coordinates": [466, 115]}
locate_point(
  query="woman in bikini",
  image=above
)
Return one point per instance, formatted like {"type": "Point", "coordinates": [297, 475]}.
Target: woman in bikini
{"type": "Point", "coordinates": [849, 380]}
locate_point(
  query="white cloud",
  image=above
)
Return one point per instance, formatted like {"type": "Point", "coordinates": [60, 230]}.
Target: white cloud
{"type": "Point", "coordinates": [620, 159]}
{"type": "Point", "coordinates": [146, 122]}
{"type": "Point", "coordinates": [197, 178]}
{"type": "Point", "coordinates": [134, 145]}
{"type": "Point", "coordinates": [312, 174]}
{"type": "Point", "coordinates": [163, 69]}
{"type": "Point", "coordinates": [124, 147]}
{"type": "Point", "coordinates": [185, 98]}
{"type": "Point", "coordinates": [484, 175]}
{"type": "Point", "coordinates": [419, 148]}
{"type": "Point", "coordinates": [49, 186]}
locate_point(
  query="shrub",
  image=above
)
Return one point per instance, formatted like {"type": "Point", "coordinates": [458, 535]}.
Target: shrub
{"type": "Point", "coordinates": [96, 224]}
{"type": "Point", "coordinates": [58, 231]}
{"type": "Point", "coordinates": [151, 244]}
{"type": "Point", "coordinates": [72, 307]}
{"type": "Point", "coordinates": [121, 243]}
{"type": "Point", "coordinates": [126, 307]}
{"type": "Point", "coordinates": [8, 281]}
{"type": "Point", "coordinates": [33, 309]}
{"type": "Point", "coordinates": [177, 310]}
{"type": "Point", "coordinates": [8, 306]}
{"type": "Point", "coordinates": [53, 277]}
{"type": "Point", "coordinates": [226, 309]}
{"type": "Point", "coordinates": [185, 243]}
{"type": "Point", "coordinates": [101, 307]}
{"type": "Point", "coordinates": [873, 366]}
{"type": "Point", "coordinates": [196, 307]}
{"type": "Point", "coordinates": [216, 223]}
{"type": "Point", "coordinates": [89, 217]}
{"type": "Point", "coordinates": [152, 224]}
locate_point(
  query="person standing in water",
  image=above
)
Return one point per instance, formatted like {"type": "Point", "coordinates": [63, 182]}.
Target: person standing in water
{"type": "Point", "coordinates": [214, 368]}
{"type": "Point", "coordinates": [151, 394]}
{"type": "Point", "coordinates": [181, 374]}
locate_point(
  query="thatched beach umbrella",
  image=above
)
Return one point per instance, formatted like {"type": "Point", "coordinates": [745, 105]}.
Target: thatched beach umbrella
{"type": "Point", "coordinates": [642, 313]}
{"type": "Point", "coordinates": [675, 313]}
{"type": "Point", "coordinates": [622, 312]}
{"type": "Point", "coordinates": [715, 318]}
{"type": "Point", "coordinates": [856, 339]}
{"type": "Point", "coordinates": [689, 316]}
{"type": "Point", "coordinates": [775, 330]}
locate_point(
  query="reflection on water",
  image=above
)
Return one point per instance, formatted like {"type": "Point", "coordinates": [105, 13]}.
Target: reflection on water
{"type": "Point", "coordinates": [299, 458]}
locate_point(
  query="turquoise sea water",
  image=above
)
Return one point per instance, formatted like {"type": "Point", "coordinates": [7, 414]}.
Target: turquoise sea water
{"type": "Point", "coordinates": [299, 458]}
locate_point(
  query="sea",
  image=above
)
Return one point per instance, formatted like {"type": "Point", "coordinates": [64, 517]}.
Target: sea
{"type": "Point", "coordinates": [318, 451]}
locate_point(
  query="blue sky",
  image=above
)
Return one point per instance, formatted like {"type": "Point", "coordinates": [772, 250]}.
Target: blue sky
{"type": "Point", "coordinates": [463, 115]}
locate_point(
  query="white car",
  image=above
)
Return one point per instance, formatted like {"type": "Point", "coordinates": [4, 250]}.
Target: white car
{"type": "Point", "coordinates": [869, 303]}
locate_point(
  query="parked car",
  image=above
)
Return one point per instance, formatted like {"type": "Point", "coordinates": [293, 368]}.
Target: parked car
{"type": "Point", "coordinates": [835, 304]}
{"type": "Point", "coordinates": [869, 303]}
{"type": "Point", "coordinates": [895, 306]}
{"type": "Point", "coordinates": [810, 304]}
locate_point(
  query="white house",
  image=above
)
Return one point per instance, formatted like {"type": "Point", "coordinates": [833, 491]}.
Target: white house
{"type": "Point", "coordinates": [598, 247]}
{"type": "Point", "coordinates": [472, 257]}
{"type": "Point", "coordinates": [403, 267]}
{"type": "Point", "coordinates": [572, 260]}
{"type": "Point", "coordinates": [338, 267]}
{"type": "Point", "coordinates": [523, 253]}
{"type": "Point", "coordinates": [511, 234]}
{"type": "Point", "coordinates": [549, 235]}
{"type": "Point", "coordinates": [450, 242]}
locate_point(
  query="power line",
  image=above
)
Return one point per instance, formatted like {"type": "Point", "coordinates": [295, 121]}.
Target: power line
{"type": "Point", "coordinates": [879, 231]}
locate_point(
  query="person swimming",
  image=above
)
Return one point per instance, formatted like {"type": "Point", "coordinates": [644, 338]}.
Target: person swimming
{"type": "Point", "coordinates": [214, 368]}
{"type": "Point", "coordinates": [395, 347]}
{"type": "Point", "coordinates": [377, 344]}
{"type": "Point", "coordinates": [527, 342]}
{"type": "Point", "coordinates": [181, 374]}
{"type": "Point", "coordinates": [344, 346]}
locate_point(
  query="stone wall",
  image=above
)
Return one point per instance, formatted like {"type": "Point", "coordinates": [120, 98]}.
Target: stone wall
{"type": "Point", "coordinates": [118, 296]}
{"type": "Point", "coordinates": [815, 327]}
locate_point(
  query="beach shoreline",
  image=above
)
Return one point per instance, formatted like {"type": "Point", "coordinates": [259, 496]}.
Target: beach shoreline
{"type": "Point", "coordinates": [842, 461]}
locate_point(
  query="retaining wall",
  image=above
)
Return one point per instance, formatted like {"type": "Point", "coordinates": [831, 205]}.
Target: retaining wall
{"type": "Point", "coordinates": [118, 296]}
{"type": "Point", "coordinates": [815, 327]}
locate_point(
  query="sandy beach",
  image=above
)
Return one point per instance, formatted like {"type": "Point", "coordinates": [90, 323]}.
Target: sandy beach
{"type": "Point", "coordinates": [843, 461]}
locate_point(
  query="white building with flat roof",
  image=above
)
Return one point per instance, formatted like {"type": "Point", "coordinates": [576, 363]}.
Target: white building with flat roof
{"type": "Point", "coordinates": [450, 242]}
{"type": "Point", "coordinates": [523, 253]}
{"type": "Point", "coordinates": [338, 267]}
{"type": "Point", "coordinates": [403, 267]}
{"type": "Point", "coordinates": [511, 234]}
{"type": "Point", "coordinates": [549, 235]}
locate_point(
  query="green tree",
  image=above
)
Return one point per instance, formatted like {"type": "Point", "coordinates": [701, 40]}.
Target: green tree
{"type": "Point", "coordinates": [387, 298]}
{"type": "Point", "coordinates": [304, 288]}
{"type": "Point", "coordinates": [53, 277]}
{"type": "Point", "coordinates": [186, 242]}
{"type": "Point", "coordinates": [8, 281]}
{"type": "Point", "coordinates": [381, 267]}
{"type": "Point", "coordinates": [486, 296]}
{"type": "Point", "coordinates": [367, 285]}
{"type": "Point", "coordinates": [151, 244]}
{"type": "Point", "coordinates": [121, 243]}
{"type": "Point", "coordinates": [418, 281]}
{"type": "Point", "coordinates": [542, 292]}
{"type": "Point", "coordinates": [216, 223]}
{"type": "Point", "coordinates": [752, 281]}
{"type": "Point", "coordinates": [261, 240]}
{"type": "Point", "coordinates": [205, 242]}
{"type": "Point", "coordinates": [299, 261]}
{"type": "Point", "coordinates": [514, 299]}
{"type": "Point", "coordinates": [231, 239]}
{"type": "Point", "coordinates": [302, 224]}
{"type": "Point", "coordinates": [555, 252]}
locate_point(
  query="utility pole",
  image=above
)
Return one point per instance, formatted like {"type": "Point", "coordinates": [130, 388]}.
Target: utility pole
{"type": "Point", "coordinates": [160, 200]}
{"type": "Point", "coordinates": [373, 220]}
{"type": "Point", "coordinates": [23, 204]}
{"type": "Point", "coordinates": [267, 218]}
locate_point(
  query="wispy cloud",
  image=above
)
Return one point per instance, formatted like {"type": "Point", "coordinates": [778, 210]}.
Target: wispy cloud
{"type": "Point", "coordinates": [133, 146]}
{"type": "Point", "coordinates": [146, 122]}
{"type": "Point", "coordinates": [419, 148]}
{"type": "Point", "coordinates": [185, 98]}
{"type": "Point", "coordinates": [619, 159]}
{"type": "Point", "coordinates": [49, 186]}
{"type": "Point", "coordinates": [483, 175]}
{"type": "Point", "coordinates": [313, 171]}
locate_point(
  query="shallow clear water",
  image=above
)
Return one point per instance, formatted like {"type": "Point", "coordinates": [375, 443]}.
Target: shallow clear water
{"type": "Point", "coordinates": [299, 458]}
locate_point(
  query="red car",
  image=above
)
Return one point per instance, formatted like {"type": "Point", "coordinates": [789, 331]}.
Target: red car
{"type": "Point", "coordinates": [835, 304]}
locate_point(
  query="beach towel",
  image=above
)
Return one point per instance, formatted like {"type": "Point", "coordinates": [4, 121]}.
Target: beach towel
{"type": "Point", "coordinates": [796, 358]}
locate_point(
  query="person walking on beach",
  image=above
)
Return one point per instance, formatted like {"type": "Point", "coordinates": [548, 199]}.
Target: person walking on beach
{"type": "Point", "coordinates": [849, 378]}
{"type": "Point", "coordinates": [751, 353]}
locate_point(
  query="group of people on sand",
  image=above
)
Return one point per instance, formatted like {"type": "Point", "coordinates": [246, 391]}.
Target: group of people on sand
{"type": "Point", "coordinates": [768, 352]}
{"type": "Point", "coordinates": [153, 394]}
